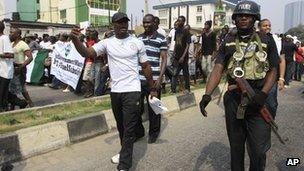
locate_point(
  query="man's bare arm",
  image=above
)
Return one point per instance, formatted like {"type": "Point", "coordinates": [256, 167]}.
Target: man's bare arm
{"type": "Point", "coordinates": [270, 79]}
{"type": "Point", "coordinates": [85, 52]}
{"type": "Point", "coordinates": [163, 56]}
{"type": "Point", "coordinates": [7, 55]}
{"type": "Point", "coordinates": [215, 78]}
{"type": "Point", "coordinates": [29, 59]}
{"type": "Point", "coordinates": [147, 71]}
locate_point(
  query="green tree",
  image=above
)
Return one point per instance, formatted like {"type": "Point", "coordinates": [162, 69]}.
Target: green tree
{"type": "Point", "coordinates": [297, 31]}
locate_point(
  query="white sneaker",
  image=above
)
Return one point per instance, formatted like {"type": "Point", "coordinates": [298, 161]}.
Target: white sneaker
{"type": "Point", "coordinates": [286, 86]}
{"type": "Point", "coordinates": [115, 159]}
{"type": "Point", "coordinates": [66, 90]}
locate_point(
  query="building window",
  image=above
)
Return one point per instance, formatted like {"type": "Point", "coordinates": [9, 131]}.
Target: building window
{"type": "Point", "coordinates": [199, 9]}
{"type": "Point", "coordinates": [198, 19]}
{"type": "Point", "coordinates": [162, 13]}
{"type": "Point", "coordinates": [63, 14]}
{"type": "Point", "coordinates": [99, 20]}
{"type": "Point", "coordinates": [38, 14]}
{"type": "Point", "coordinates": [163, 22]}
{"type": "Point", "coordinates": [105, 4]}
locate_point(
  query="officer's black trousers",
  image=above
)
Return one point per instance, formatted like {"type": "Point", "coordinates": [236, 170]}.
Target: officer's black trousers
{"type": "Point", "coordinates": [252, 130]}
{"type": "Point", "coordinates": [125, 107]}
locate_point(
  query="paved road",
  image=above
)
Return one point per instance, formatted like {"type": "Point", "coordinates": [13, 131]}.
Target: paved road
{"type": "Point", "coordinates": [42, 96]}
{"type": "Point", "coordinates": [188, 142]}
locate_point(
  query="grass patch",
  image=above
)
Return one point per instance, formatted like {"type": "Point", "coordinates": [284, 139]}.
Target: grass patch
{"type": "Point", "coordinates": [23, 119]}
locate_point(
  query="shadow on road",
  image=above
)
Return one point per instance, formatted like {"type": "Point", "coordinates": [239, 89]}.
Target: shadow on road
{"type": "Point", "coordinates": [216, 155]}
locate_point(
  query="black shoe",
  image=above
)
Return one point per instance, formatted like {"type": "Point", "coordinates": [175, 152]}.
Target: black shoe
{"type": "Point", "coordinates": [7, 167]}
{"type": "Point", "coordinates": [23, 104]}
{"type": "Point", "coordinates": [152, 140]}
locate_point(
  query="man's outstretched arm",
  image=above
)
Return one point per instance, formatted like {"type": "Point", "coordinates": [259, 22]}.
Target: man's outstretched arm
{"type": "Point", "coordinates": [85, 52]}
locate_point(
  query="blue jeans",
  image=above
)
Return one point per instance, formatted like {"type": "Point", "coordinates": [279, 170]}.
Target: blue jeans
{"type": "Point", "coordinates": [101, 85]}
{"type": "Point", "coordinates": [272, 100]}
{"type": "Point", "coordinates": [290, 66]}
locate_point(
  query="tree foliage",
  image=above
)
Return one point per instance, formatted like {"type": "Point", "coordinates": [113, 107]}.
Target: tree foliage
{"type": "Point", "coordinates": [297, 31]}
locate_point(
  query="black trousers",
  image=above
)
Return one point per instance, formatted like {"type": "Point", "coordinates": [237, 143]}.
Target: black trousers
{"type": "Point", "coordinates": [177, 68]}
{"type": "Point", "coordinates": [125, 107]}
{"type": "Point", "coordinates": [252, 130]}
{"type": "Point", "coordinates": [4, 83]}
{"type": "Point", "coordinates": [154, 119]}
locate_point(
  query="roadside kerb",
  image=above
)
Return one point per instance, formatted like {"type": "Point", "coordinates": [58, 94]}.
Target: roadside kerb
{"type": "Point", "coordinates": [85, 127]}
{"type": "Point", "coordinates": [43, 138]}
{"type": "Point", "coordinates": [9, 148]}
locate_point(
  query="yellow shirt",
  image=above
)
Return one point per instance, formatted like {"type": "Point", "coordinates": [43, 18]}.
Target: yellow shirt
{"type": "Point", "coordinates": [19, 50]}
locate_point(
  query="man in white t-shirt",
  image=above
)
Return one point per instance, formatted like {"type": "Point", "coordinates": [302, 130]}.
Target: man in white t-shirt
{"type": "Point", "coordinates": [6, 67]}
{"type": "Point", "coordinates": [125, 53]}
{"type": "Point", "coordinates": [45, 43]}
{"type": "Point", "coordinates": [171, 43]}
{"type": "Point", "coordinates": [159, 29]}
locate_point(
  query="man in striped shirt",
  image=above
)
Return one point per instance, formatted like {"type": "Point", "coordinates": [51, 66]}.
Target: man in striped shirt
{"type": "Point", "coordinates": [156, 49]}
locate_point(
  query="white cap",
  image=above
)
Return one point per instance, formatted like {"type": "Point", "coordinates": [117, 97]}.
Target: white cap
{"type": "Point", "coordinates": [157, 105]}
{"type": "Point", "coordinates": [289, 36]}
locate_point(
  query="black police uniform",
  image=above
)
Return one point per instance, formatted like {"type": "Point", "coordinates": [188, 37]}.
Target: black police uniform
{"type": "Point", "coordinates": [252, 129]}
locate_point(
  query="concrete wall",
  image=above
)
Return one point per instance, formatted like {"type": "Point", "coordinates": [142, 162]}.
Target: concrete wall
{"type": "Point", "coordinates": [49, 11]}
{"type": "Point", "coordinates": [69, 6]}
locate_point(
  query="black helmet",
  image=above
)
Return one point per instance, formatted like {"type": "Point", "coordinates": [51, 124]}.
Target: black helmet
{"type": "Point", "coordinates": [247, 7]}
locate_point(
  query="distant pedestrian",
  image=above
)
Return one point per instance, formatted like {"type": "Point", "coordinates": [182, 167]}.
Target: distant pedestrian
{"type": "Point", "coordinates": [208, 42]}
{"type": "Point", "coordinates": [6, 67]}
{"type": "Point", "coordinates": [22, 57]}
{"type": "Point", "coordinates": [181, 55]}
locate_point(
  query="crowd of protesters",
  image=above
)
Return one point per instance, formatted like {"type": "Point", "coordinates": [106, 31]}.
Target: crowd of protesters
{"type": "Point", "coordinates": [190, 57]}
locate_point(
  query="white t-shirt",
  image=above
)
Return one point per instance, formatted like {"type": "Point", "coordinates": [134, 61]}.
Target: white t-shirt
{"type": "Point", "coordinates": [45, 45]}
{"type": "Point", "coordinates": [278, 42]}
{"type": "Point", "coordinates": [191, 46]}
{"type": "Point", "coordinates": [124, 56]}
{"type": "Point", "coordinates": [6, 64]}
{"type": "Point", "coordinates": [162, 31]}
{"type": "Point", "coordinates": [171, 36]}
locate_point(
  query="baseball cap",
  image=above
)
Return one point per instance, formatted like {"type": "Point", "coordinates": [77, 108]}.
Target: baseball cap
{"type": "Point", "coordinates": [118, 16]}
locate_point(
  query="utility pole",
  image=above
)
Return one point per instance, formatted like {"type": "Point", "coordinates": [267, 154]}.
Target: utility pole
{"type": "Point", "coordinates": [131, 21]}
{"type": "Point", "coordinates": [109, 13]}
{"type": "Point", "coordinates": [146, 7]}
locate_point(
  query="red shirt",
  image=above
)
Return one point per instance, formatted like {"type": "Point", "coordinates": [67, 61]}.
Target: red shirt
{"type": "Point", "coordinates": [90, 43]}
{"type": "Point", "coordinates": [299, 55]}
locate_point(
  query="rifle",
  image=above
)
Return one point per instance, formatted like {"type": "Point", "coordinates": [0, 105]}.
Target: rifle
{"type": "Point", "coordinates": [247, 90]}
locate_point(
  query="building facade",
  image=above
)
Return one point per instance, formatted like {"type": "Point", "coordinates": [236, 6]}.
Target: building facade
{"type": "Point", "coordinates": [98, 12]}
{"type": "Point", "coordinates": [196, 12]}
{"type": "Point", "coordinates": [7, 7]}
{"type": "Point", "coordinates": [29, 10]}
{"type": "Point", "coordinates": [294, 15]}
{"type": "Point", "coordinates": [49, 11]}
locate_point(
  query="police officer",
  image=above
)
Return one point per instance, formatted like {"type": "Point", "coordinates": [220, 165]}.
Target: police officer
{"type": "Point", "coordinates": [252, 56]}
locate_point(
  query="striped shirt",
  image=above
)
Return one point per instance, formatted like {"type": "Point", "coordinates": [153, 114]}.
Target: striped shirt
{"type": "Point", "coordinates": [154, 45]}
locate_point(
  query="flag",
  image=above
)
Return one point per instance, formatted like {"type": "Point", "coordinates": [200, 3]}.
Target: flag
{"type": "Point", "coordinates": [35, 69]}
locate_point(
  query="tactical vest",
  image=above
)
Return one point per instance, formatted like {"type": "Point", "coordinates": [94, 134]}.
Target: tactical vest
{"type": "Point", "coordinates": [249, 64]}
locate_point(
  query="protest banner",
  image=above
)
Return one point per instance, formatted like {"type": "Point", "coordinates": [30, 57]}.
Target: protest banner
{"type": "Point", "coordinates": [67, 63]}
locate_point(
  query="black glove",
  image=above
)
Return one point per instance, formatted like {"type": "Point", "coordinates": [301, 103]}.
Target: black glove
{"type": "Point", "coordinates": [204, 102]}
{"type": "Point", "coordinates": [259, 99]}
